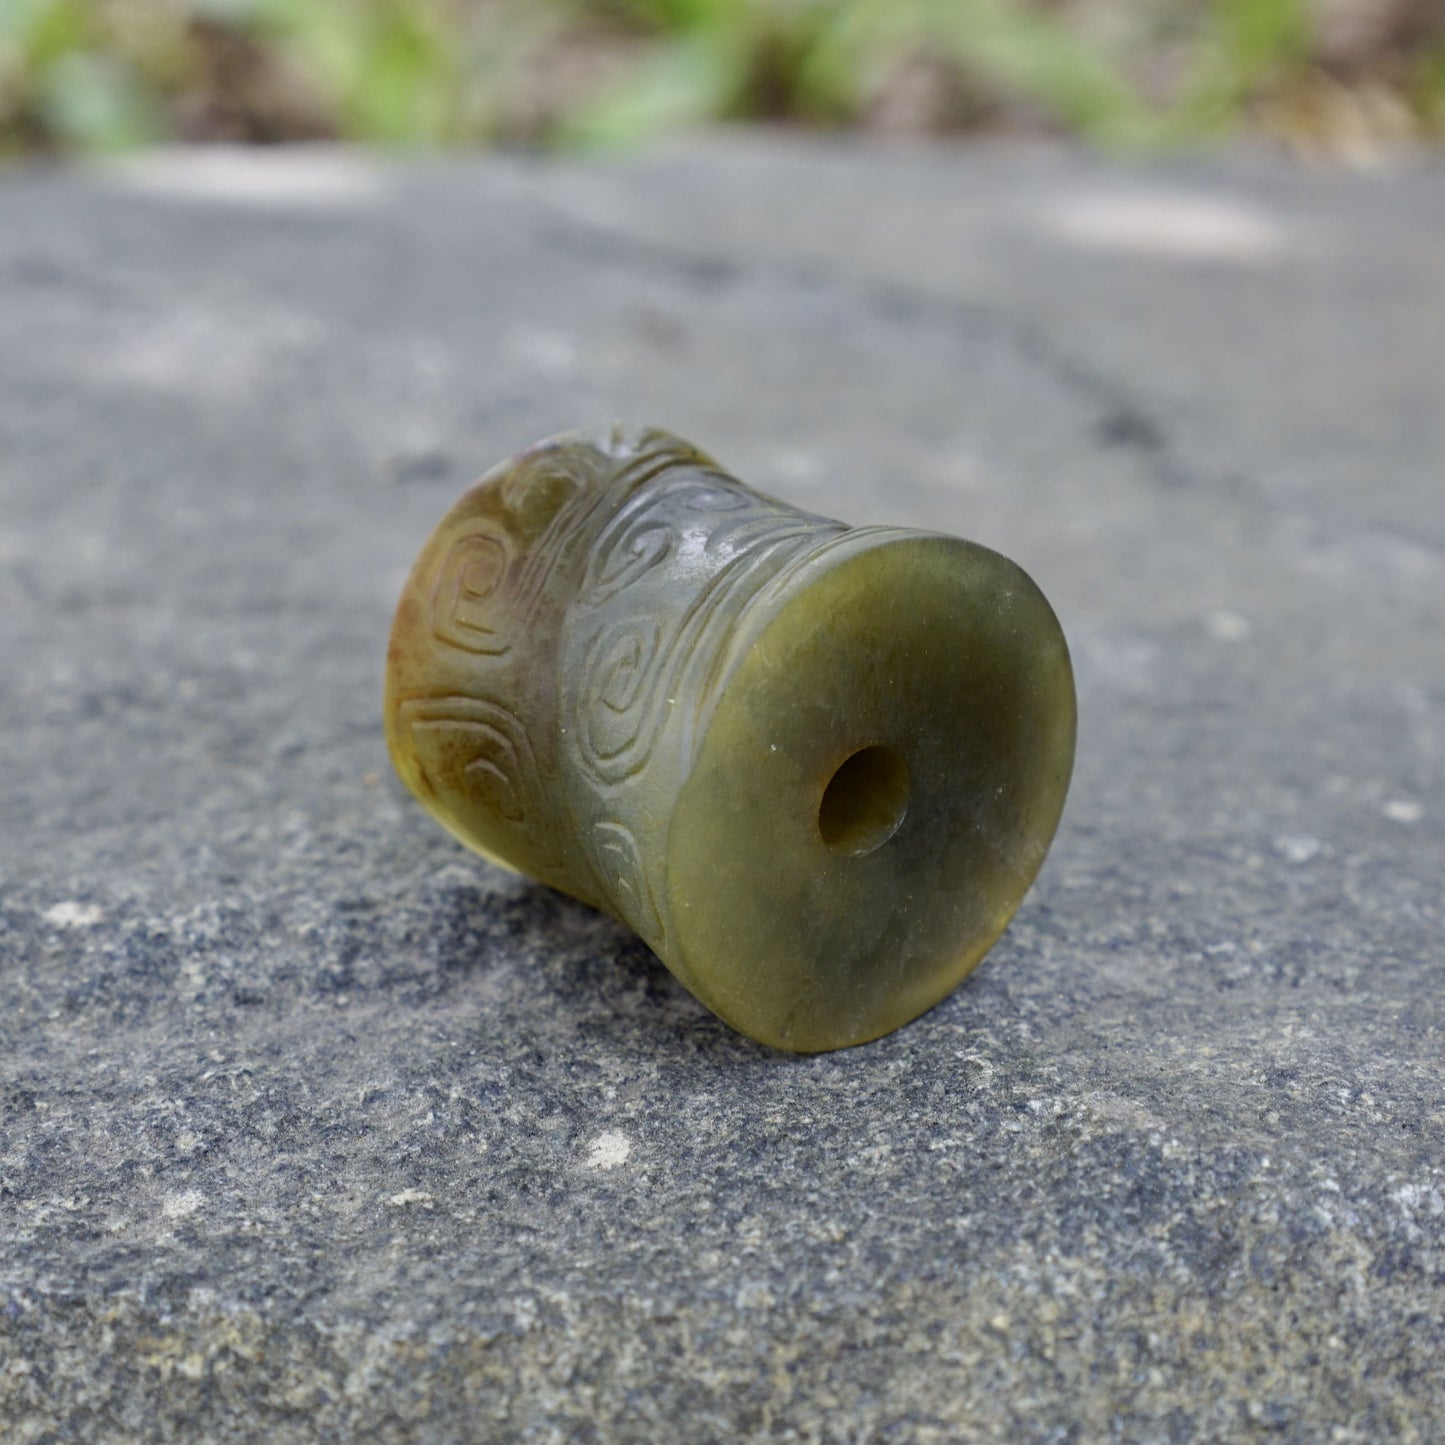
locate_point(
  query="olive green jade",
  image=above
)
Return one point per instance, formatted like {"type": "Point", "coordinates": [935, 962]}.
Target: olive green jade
{"type": "Point", "coordinates": [815, 767]}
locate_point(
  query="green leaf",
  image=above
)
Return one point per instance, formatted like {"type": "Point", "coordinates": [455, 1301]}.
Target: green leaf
{"type": "Point", "coordinates": [681, 83]}
{"type": "Point", "coordinates": [1258, 36]}
{"type": "Point", "coordinates": [41, 31]}
{"type": "Point", "coordinates": [1041, 58]}
{"type": "Point", "coordinates": [94, 103]}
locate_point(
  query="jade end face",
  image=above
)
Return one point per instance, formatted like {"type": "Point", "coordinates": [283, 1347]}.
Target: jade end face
{"type": "Point", "coordinates": [815, 767]}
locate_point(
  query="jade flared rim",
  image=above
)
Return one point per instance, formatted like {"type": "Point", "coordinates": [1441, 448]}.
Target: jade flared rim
{"type": "Point", "coordinates": [873, 795]}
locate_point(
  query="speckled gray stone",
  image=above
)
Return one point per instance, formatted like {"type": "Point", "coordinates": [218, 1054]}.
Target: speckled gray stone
{"type": "Point", "coordinates": [317, 1128]}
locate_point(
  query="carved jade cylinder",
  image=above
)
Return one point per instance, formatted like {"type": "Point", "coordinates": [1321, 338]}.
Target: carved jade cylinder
{"type": "Point", "coordinates": [815, 767]}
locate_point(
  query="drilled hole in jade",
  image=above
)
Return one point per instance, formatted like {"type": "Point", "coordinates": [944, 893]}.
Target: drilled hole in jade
{"type": "Point", "coordinates": [864, 802]}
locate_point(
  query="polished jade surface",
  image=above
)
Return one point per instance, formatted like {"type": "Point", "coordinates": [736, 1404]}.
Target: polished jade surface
{"type": "Point", "coordinates": [814, 767]}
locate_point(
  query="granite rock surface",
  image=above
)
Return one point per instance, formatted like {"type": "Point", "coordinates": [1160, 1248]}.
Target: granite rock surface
{"type": "Point", "coordinates": [316, 1127]}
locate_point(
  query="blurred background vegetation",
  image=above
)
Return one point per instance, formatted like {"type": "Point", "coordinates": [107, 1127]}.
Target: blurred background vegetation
{"type": "Point", "coordinates": [1350, 78]}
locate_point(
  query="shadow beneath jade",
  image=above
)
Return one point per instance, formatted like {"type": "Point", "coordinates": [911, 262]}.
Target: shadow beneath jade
{"type": "Point", "coordinates": [595, 972]}
{"type": "Point", "coordinates": [550, 965]}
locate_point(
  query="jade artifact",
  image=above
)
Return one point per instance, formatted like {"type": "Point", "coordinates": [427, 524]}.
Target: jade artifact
{"type": "Point", "coordinates": [815, 767]}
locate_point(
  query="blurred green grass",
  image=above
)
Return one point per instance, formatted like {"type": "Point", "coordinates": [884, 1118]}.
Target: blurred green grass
{"type": "Point", "coordinates": [1332, 76]}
